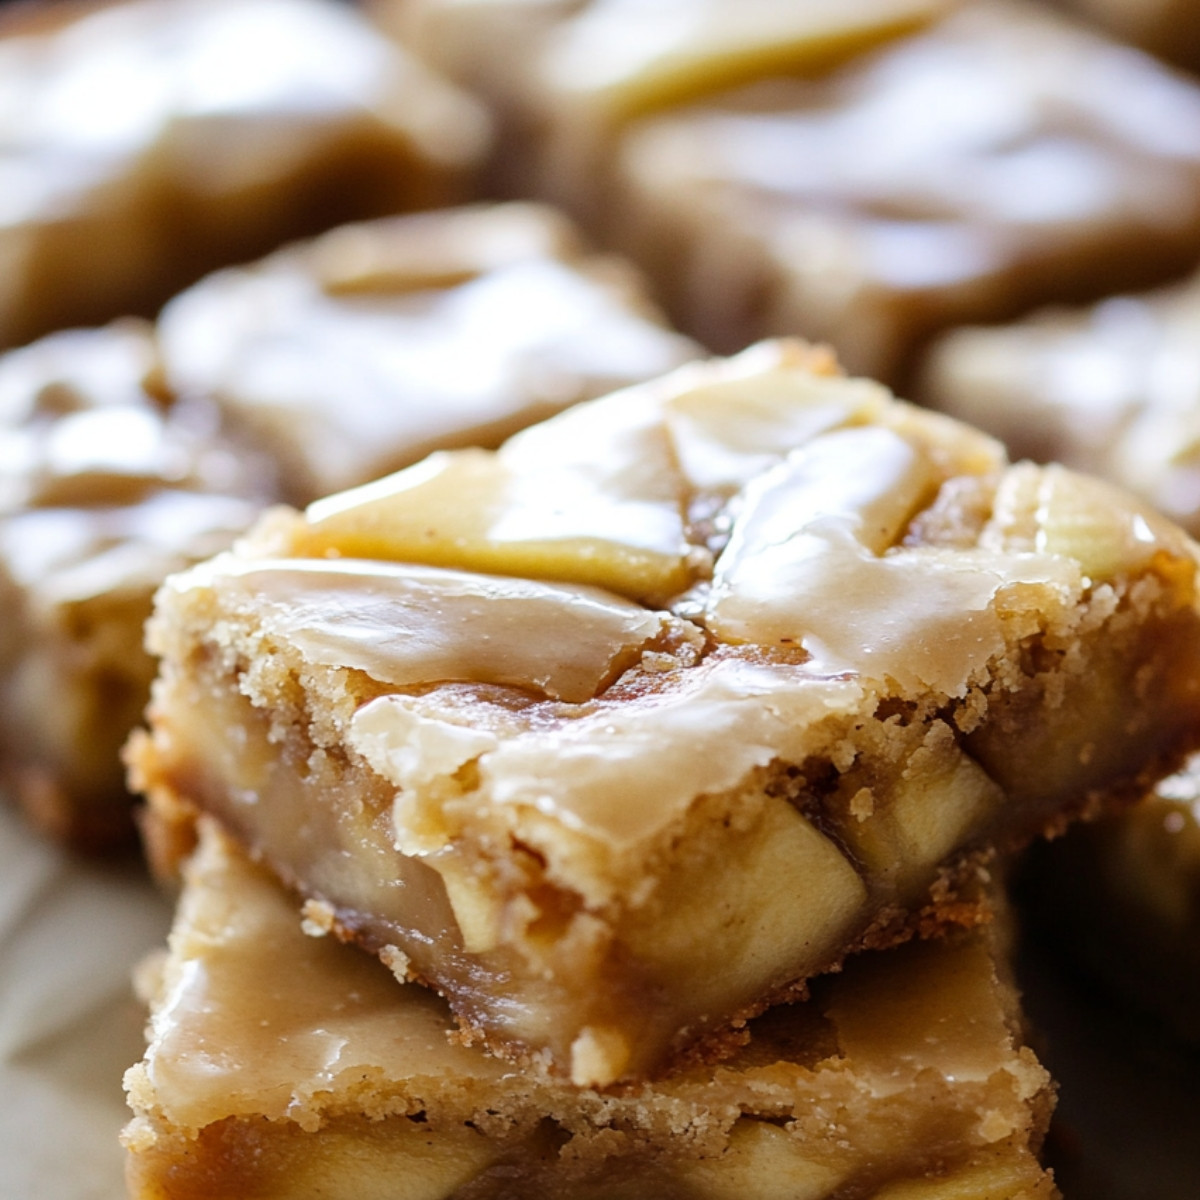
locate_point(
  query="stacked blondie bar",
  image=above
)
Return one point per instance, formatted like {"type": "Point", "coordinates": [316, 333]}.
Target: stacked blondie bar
{"type": "Point", "coordinates": [620, 739]}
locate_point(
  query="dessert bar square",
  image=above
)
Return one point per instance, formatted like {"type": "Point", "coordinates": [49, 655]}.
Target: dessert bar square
{"type": "Point", "coordinates": [281, 1065]}
{"type": "Point", "coordinates": [147, 142]}
{"type": "Point", "coordinates": [106, 486]}
{"type": "Point", "coordinates": [864, 209]}
{"type": "Point", "coordinates": [621, 732]}
{"type": "Point", "coordinates": [361, 351]}
{"type": "Point", "coordinates": [563, 77]}
{"type": "Point", "coordinates": [593, 76]}
{"type": "Point", "coordinates": [796, 169]}
{"type": "Point", "coordinates": [1108, 389]}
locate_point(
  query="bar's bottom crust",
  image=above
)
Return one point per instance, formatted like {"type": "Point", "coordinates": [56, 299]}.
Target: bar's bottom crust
{"type": "Point", "coordinates": [358, 1159]}
{"type": "Point", "coordinates": [283, 1066]}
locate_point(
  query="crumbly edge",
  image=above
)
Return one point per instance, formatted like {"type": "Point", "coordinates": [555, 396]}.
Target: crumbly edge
{"type": "Point", "coordinates": [286, 687]}
{"type": "Point", "coordinates": [317, 704]}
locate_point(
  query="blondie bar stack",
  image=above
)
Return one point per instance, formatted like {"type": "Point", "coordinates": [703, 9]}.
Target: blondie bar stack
{"type": "Point", "coordinates": [622, 735]}
{"type": "Point", "coordinates": [282, 1066]}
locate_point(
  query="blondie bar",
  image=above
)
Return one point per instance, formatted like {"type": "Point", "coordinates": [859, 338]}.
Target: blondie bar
{"type": "Point", "coordinates": [622, 731]}
{"type": "Point", "coordinates": [363, 350]}
{"type": "Point", "coordinates": [1109, 389]}
{"type": "Point", "coordinates": [283, 1066]}
{"type": "Point", "coordinates": [1000, 159]}
{"type": "Point", "coordinates": [562, 77]}
{"type": "Point", "coordinates": [147, 142]}
{"type": "Point", "coordinates": [106, 486]}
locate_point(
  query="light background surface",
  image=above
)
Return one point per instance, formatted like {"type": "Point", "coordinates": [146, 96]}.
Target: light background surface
{"type": "Point", "coordinates": [70, 936]}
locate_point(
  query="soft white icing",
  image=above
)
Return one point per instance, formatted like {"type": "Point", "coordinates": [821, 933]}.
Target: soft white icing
{"type": "Point", "coordinates": [625, 772]}
{"type": "Point", "coordinates": [353, 383]}
{"type": "Point", "coordinates": [62, 554]}
{"type": "Point", "coordinates": [103, 485]}
{"type": "Point", "coordinates": [604, 471]}
{"type": "Point", "coordinates": [74, 369]}
{"type": "Point", "coordinates": [808, 564]}
{"type": "Point", "coordinates": [409, 625]}
{"type": "Point", "coordinates": [593, 496]}
{"type": "Point", "coordinates": [410, 749]}
{"type": "Point", "coordinates": [728, 432]}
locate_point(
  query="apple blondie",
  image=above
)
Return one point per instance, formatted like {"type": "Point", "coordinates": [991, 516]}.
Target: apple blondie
{"type": "Point", "coordinates": [146, 142]}
{"type": "Point", "coordinates": [361, 351]}
{"type": "Point", "coordinates": [281, 1065]}
{"type": "Point", "coordinates": [562, 78]}
{"type": "Point", "coordinates": [796, 169]}
{"type": "Point", "coordinates": [1109, 389]}
{"type": "Point", "coordinates": [621, 732]}
{"type": "Point", "coordinates": [106, 486]}
{"type": "Point", "coordinates": [866, 209]}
